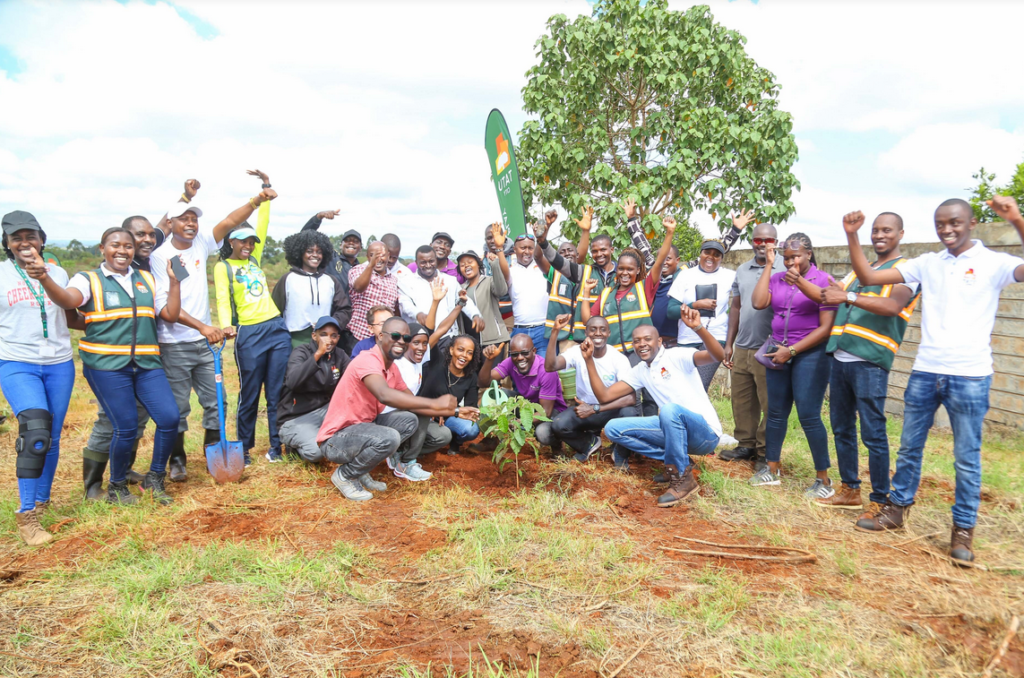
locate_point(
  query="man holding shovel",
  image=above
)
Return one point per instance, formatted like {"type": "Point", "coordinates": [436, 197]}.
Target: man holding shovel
{"type": "Point", "coordinates": [580, 426]}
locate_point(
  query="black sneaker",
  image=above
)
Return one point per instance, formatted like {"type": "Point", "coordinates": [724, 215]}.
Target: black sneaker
{"type": "Point", "coordinates": [620, 458]}
{"type": "Point", "coordinates": [118, 493]}
{"type": "Point", "coordinates": [595, 445]}
{"type": "Point", "coordinates": [248, 458]}
{"type": "Point", "coordinates": [737, 454]}
{"type": "Point", "coordinates": [454, 449]}
{"type": "Point", "coordinates": [155, 483]}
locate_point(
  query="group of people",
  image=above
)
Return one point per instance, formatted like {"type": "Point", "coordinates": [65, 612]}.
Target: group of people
{"type": "Point", "coordinates": [368, 362]}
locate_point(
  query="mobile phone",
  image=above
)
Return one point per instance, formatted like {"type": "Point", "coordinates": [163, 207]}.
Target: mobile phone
{"type": "Point", "coordinates": [771, 349]}
{"type": "Point", "coordinates": [180, 272]}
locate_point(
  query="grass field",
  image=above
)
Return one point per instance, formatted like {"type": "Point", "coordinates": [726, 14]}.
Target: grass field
{"type": "Point", "coordinates": [465, 575]}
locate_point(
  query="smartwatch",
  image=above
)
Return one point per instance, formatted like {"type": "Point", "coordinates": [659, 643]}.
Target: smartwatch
{"type": "Point", "coordinates": [851, 297]}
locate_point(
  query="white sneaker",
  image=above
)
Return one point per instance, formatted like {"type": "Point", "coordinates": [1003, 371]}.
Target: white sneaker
{"type": "Point", "coordinates": [350, 489]}
{"type": "Point", "coordinates": [396, 465]}
{"type": "Point", "coordinates": [369, 483]}
{"type": "Point", "coordinates": [819, 490]}
{"type": "Point", "coordinates": [765, 477]}
{"type": "Point", "coordinates": [726, 440]}
{"type": "Point", "coordinates": [416, 473]}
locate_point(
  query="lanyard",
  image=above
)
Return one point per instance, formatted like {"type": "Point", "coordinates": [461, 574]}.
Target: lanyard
{"type": "Point", "coordinates": [40, 298]}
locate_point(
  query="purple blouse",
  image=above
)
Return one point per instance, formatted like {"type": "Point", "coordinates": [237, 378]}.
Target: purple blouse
{"type": "Point", "coordinates": [804, 313]}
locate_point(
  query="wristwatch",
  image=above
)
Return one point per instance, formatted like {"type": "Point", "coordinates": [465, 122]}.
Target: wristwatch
{"type": "Point", "coordinates": [456, 413]}
{"type": "Point", "coordinates": [851, 297]}
{"type": "Point", "coordinates": [597, 407]}
{"type": "Point", "coordinates": [792, 351]}
{"type": "Point", "coordinates": [266, 185]}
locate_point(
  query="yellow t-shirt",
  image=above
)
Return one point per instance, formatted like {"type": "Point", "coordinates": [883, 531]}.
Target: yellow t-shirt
{"type": "Point", "coordinates": [250, 291]}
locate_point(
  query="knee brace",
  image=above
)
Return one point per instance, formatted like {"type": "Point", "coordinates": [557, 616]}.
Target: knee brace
{"type": "Point", "coordinates": [33, 442]}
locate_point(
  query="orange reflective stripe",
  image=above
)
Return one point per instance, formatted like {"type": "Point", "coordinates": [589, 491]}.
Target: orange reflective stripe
{"type": "Point", "coordinates": [97, 290]}
{"type": "Point", "coordinates": [148, 277]}
{"type": "Point", "coordinates": [118, 314]}
{"type": "Point", "coordinates": [874, 337]}
{"type": "Point", "coordinates": [109, 349]}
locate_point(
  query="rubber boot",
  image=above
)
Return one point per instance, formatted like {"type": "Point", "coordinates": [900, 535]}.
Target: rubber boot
{"type": "Point", "coordinates": [176, 463]}
{"type": "Point", "coordinates": [133, 477]}
{"type": "Point", "coordinates": [94, 464]}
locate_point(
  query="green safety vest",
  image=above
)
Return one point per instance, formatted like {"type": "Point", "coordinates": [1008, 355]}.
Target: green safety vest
{"type": "Point", "coordinates": [868, 335]}
{"type": "Point", "coordinates": [579, 327]}
{"type": "Point", "coordinates": [560, 301]}
{"type": "Point", "coordinates": [626, 315]}
{"type": "Point", "coordinates": [118, 328]}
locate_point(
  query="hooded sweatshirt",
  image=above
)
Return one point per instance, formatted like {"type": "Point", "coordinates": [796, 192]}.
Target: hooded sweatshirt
{"type": "Point", "coordinates": [303, 298]}
{"type": "Point", "coordinates": [309, 384]}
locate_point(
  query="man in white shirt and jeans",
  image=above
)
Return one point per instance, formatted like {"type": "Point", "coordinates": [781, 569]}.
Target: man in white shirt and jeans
{"type": "Point", "coordinates": [953, 368]}
{"type": "Point", "coordinates": [187, 360]}
{"type": "Point", "coordinates": [528, 289]}
{"type": "Point", "coordinates": [416, 295]}
{"type": "Point", "coordinates": [687, 423]}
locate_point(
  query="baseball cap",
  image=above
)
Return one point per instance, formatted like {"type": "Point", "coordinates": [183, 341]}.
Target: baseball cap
{"type": "Point", "coordinates": [712, 245]}
{"type": "Point", "coordinates": [179, 208]}
{"type": "Point", "coordinates": [19, 221]}
{"type": "Point", "coordinates": [470, 253]}
{"type": "Point", "coordinates": [416, 329]}
{"type": "Point", "coordinates": [442, 234]}
{"type": "Point", "coordinates": [243, 233]}
{"type": "Point", "coordinates": [352, 232]}
{"type": "Point", "coordinates": [326, 320]}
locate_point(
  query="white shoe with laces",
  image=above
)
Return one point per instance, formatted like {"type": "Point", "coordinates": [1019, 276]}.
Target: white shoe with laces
{"type": "Point", "coordinates": [373, 485]}
{"type": "Point", "coordinates": [765, 477]}
{"type": "Point", "coordinates": [349, 488]}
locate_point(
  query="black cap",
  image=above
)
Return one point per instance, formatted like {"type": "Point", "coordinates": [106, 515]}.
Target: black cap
{"type": "Point", "coordinates": [470, 253]}
{"type": "Point", "coordinates": [19, 221]}
{"type": "Point", "coordinates": [712, 245]}
{"type": "Point", "coordinates": [326, 320]}
{"type": "Point", "coordinates": [416, 328]}
{"type": "Point", "coordinates": [442, 234]}
{"type": "Point", "coordinates": [352, 232]}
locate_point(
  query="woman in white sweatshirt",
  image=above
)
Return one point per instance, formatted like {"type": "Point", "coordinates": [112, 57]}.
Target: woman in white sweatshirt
{"type": "Point", "coordinates": [306, 293]}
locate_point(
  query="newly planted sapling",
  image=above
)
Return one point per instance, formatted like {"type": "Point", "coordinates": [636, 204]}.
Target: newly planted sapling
{"type": "Point", "coordinates": [512, 422]}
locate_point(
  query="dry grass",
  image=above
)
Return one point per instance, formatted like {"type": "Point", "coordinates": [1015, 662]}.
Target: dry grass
{"type": "Point", "coordinates": [462, 577]}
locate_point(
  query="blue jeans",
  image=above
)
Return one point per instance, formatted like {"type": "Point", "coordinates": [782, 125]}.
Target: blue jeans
{"type": "Point", "coordinates": [117, 391]}
{"type": "Point", "coordinates": [28, 386]}
{"type": "Point", "coordinates": [261, 353]}
{"type": "Point", "coordinates": [463, 430]}
{"type": "Point", "coordinates": [535, 333]}
{"type": "Point", "coordinates": [803, 381]}
{"type": "Point", "coordinates": [672, 436]}
{"type": "Point", "coordinates": [966, 402]}
{"type": "Point", "coordinates": [860, 388]}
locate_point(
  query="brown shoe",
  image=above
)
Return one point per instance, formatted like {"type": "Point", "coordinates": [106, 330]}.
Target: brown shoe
{"type": "Point", "coordinates": [870, 512]}
{"type": "Point", "coordinates": [30, 529]}
{"type": "Point", "coordinates": [846, 498]}
{"type": "Point", "coordinates": [889, 517]}
{"type": "Point", "coordinates": [680, 486]}
{"type": "Point", "coordinates": [960, 544]}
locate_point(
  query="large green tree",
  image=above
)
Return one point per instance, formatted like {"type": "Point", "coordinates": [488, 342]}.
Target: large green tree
{"type": "Point", "coordinates": [662, 106]}
{"type": "Point", "coordinates": [987, 189]}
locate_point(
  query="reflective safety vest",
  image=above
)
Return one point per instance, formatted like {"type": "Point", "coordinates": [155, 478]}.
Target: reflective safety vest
{"type": "Point", "coordinates": [561, 300]}
{"type": "Point", "coordinates": [119, 329]}
{"type": "Point", "coordinates": [579, 327]}
{"type": "Point", "coordinates": [624, 315]}
{"type": "Point", "coordinates": [867, 335]}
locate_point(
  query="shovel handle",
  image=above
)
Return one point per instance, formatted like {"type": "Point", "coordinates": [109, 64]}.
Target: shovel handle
{"type": "Point", "coordinates": [219, 377]}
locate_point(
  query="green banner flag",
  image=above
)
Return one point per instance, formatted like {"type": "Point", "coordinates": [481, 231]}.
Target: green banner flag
{"type": "Point", "coordinates": [498, 142]}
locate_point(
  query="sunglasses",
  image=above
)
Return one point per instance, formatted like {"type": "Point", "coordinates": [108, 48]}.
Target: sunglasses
{"type": "Point", "coordinates": [395, 336]}
{"type": "Point", "coordinates": [525, 236]}
{"type": "Point", "coordinates": [520, 354]}
{"type": "Point", "coordinates": [764, 241]}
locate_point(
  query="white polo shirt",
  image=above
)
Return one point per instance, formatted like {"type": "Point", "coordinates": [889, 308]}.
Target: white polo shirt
{"type": "Point", "coordinates": [960, 297]}
{"type": "Point", "coordinates": [673, 378]}
{"type": "Point", "coordinates": [415, 296]}
{"type": "Point", "coordinates": [528, 289]}
{"type": "Point", "coordinates": [612, 367]}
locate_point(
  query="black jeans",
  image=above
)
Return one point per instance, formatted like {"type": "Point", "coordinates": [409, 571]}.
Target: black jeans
{"type": "Point", "coordinates": [575, 431]}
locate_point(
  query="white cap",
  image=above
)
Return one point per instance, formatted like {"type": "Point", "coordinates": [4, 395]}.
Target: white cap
{"type": "Point", "coordinates": [179, 208]}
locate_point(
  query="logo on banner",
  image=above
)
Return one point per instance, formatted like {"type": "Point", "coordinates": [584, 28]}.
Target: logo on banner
{"type": "Point", "coordinates": [503, 159]}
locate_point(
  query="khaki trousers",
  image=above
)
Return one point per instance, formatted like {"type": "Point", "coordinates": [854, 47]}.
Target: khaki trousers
{"type": "Point", "coordinates": [749, 399]}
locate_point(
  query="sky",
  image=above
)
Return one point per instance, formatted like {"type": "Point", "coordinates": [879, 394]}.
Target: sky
{"type": "Point", "coordinates": [378, 109]}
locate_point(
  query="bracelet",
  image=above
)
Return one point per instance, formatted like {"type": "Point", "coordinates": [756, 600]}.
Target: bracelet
{"type": "Point", "coordinates": [184, 198]}
{"type": "Point", "coordinates": [253, 204]}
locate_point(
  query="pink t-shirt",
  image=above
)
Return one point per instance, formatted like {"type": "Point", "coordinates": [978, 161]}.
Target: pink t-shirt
{"type": "Point", "coordinates": [352, 403]}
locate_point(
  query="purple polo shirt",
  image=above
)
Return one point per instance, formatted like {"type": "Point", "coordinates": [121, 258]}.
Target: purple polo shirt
{"type": "Point", "coordinates": [451, 269]}
{"type": "Point", "coordinates": [804, 314]}
{"type": "Point", "coordinates": [537, 385]}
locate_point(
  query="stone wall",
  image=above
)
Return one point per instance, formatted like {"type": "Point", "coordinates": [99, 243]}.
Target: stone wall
{"type": "Point", "coordinates": [1007, 395]}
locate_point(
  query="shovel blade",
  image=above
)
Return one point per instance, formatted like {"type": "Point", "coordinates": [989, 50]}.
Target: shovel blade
{"type": "Point", "coordinates": [225, 461]}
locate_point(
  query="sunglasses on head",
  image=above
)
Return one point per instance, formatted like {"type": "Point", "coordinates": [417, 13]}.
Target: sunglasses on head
{"type": "Point", "coordinates": [525, 236]}
{"type": "Point", "coordinates": [520, 354]}
{"type": "Point", "coordinates": [765, 241]}
{"type": "Point", "coordinates": [395, 336]}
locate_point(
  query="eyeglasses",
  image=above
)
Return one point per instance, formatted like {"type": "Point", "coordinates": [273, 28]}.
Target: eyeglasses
{"type": "Point", "coordinates": [520, 354]}
{"type": "Point", "coordinates": [764, 241]}
{"type": "Point", "coordinates": [525, 236]}
{"type": "Point", "coordinates": [395, 336]}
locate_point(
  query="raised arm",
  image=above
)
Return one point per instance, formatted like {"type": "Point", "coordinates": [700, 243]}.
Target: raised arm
{"type": "Point", "coordinates": [314, 221]}
{"type": "Point", "coordinates": [868, 276]}
{"type": "Point", "coordinates": [571, 270]}
{"type": "Point", "coordinates": [231, 221]}
{"type": "Point", "coordinates": [262, 219]}
{"type": "Point", "coordinates": [191, 188]}
{"type": "Point", "coordinates": [487, 371]}
{"type": "Point", "coordinates": [499, 242]}
{"type": "Point", "coordinates": [552, 361]}
{"type": "Point", "coordinates": [604, 394]}
{"type": "Point", "coordinates": [1006, 208]}
{"type": "Point", "coordinates": [583, 248]}
{"type": "Point", "coordinates": [67, 298]}
{"type": "Point", "coordinates": [761, 297]}
{"type": "Point", "coordinates": [713, 353]}
{"type": "Point", "coordinates": [438, 291]}
{"type": "Point", "coordinates": [585, 311]}
{"type": "Point", "coordinates": [362, 281]}
{"type": "Point", "coordinates": [666, 247]}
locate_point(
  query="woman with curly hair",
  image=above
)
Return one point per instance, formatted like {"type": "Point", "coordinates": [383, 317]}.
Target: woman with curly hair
{"type": "Point", "coordinates": [306, 292]}
{"type": "Point", "coordinates": [453, 369]}
{"type": "Point", "coordinates": [627, 305]}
